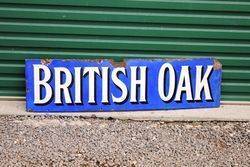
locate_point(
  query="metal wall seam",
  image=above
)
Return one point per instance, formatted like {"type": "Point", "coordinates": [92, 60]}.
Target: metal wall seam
{"type": "Point", "coordinates": [126, 29]}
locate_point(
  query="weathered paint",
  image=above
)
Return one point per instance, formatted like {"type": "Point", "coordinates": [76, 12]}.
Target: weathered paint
{"type": "Point", "coordinates": [152, 99]}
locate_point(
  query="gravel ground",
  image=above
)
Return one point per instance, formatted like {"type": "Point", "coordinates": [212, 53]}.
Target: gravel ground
{"type": "Point", "coordinates": [74, 141]}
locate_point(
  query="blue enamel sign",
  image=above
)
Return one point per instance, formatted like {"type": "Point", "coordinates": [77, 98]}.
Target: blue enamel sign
{"type": "Point", "coordinates": [135, 84]}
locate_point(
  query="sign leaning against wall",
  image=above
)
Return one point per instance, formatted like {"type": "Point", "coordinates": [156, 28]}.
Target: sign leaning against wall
{"type": "Point", "coordinates": [135, 84]}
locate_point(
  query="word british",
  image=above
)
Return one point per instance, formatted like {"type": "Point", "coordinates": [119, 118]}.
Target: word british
{"type": "Point", "coordinates": [71, 85]}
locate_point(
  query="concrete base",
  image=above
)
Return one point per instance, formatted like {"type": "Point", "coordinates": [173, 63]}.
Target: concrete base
{"type": "Point", "coordinates": [227, 112]}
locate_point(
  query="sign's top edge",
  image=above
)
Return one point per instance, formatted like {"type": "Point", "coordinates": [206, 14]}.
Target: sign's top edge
{"type": "Point", "coordinates": [216, 63]}
{"type": "Point", "coordinates": [127, 59]}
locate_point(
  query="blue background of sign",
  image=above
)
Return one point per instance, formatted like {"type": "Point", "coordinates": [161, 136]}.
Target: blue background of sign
{"type": "Point", "coordinates": [154, 101]}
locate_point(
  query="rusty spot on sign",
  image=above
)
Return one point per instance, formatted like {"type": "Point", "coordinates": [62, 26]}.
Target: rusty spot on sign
{"type": "Point", "coordinates": [118, 64]}
{"type": "Point", "coordinates": [217, 65]}
{"type": "Point", "coordinates": [46, 61]}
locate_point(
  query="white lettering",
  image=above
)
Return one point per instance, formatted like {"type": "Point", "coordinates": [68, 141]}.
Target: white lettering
{"type": "Point", "coordinates": [140, 82]}
{"type": "Point", "coordinates": [161, 83]}
{"type": "Point", "coordinates": [91, 71]}
{"type": "Point", "coordinates": [202, 83]}
{"type": "Point", "coordinates": [105, 86]}
{"type": "Point", "coordinates": [184, 80]}
{"type": "Point", "coordinates": [119, 84]}
{"type": "Point", "coordinates": [78, 85]}
{"type": "Point", "coordinates": [38, 83]}
{"type": "Point", "coordinates": [62, 87]}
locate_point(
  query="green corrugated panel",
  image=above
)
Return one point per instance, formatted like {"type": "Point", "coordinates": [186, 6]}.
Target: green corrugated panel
{"type": "Point", "coordinates": [121, 29]}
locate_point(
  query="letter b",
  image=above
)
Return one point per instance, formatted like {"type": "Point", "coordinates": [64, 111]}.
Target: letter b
{"type": "Point", "coordinates": [44, 82]}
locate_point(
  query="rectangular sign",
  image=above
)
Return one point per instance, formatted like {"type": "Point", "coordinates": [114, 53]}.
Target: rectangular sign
{"type": "Point", "coordinates": [135, 84]}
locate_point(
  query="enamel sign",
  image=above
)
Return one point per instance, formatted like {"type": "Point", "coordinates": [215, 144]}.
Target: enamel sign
{"type": "Point", "coordinates": [135, 84]}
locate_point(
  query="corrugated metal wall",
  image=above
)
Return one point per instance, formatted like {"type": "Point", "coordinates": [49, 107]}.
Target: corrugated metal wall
{"type": "Point", "coordinates": [126, 28]}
